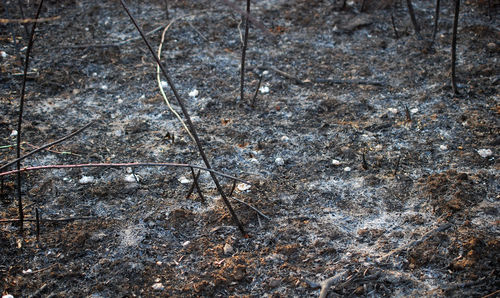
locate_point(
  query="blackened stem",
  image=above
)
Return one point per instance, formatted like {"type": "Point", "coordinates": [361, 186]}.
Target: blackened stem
{"type": "Point", "coordinates": [189, 122]}
{"type": "Point", "coordinates": [243, 53]}
{"type": "Point", "coordinates": [454, 48]}
{"type": "Point", "coordinates": [20, 121]}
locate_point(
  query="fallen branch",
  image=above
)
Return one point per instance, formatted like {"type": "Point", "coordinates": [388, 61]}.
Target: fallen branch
{"type": "Point", "coordinates": [45, 146]}
{"type": "Point", "coordinates": [320, 81]}
{"type": "Point", "coordinates": [327, 284]}
{"type": "Point", "coordinates": [252, 207]}
{"type": "Point", "coordinates": [414, 242]}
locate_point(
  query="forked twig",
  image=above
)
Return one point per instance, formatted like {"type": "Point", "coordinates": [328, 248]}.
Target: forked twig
{"type": "Point", "coordinates": [189, 122]}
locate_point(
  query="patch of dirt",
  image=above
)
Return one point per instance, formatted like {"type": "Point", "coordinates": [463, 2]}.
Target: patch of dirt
{"type": "Point", "coordinates": [361, 159]}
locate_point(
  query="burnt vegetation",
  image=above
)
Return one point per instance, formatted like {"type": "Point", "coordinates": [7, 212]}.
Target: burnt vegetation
{"type": "Point", "coordinates": [280, 148]}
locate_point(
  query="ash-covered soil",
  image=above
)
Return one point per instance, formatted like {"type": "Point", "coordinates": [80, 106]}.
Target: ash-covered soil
{"type": "Point", "coordinates": [367, 165]}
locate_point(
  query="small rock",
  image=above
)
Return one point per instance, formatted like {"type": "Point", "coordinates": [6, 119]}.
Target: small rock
{"type": "Point", "coordinates": [104, 87]}
{"type": "Point", "coordinates": [228, 249]}
{"type": "Point", "coordinates": [414, 110]}
{"type": "Point", "coordinates": [485, 152]}
{"type": "Point", "coordinates": [184, 180]}
{"type": "Point", "coordinates": [335, 162]}
{"type": "Point", "coordinates": [158, 286]}
{"type": "Point", "coordinates": [194, 93]}
{"type": "Point", "coordinates": [186, 243]}
{"type": "Point", "coordinates": [443, 147]}
{"type": "Point", "coordinates": [279, 161]}
{"type": "Point", "coordinates": [130, 178]}
{"type": "Point", "coordinates": [13, 133]}
{"type": "Point", "coordinates": [164, 84]}
{"type": "Point", "coordinates": [243, 186]}
{"type": "Point", "coordinates": [3, 54]}
{"type": "Point", "coordinates": [347, 169]}
{"type": "Point", "coordinates": [491, 46]}
{"type": "Point", "coordinates": [274, 282]}
{"type": "Point", "coordinates": [28, 271]}
{"type": "Point", "coordinates": [393, 110]}
{"type": "Point", "coordinates": [264, 89]}
{"type": "Point", "coordinates": [86, 179]}
{"type": "Point", "coordinates": [7, 296]}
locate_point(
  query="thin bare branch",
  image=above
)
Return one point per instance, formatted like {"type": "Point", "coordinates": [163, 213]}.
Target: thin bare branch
{"type": "Point", "coordinates": [45, 146]}
{"type": "Point", "coordinates": [192, 128]}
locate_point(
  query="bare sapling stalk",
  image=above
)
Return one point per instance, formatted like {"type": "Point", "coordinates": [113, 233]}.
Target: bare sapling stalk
{"type": "Point", "coordinates": [454, 48]}
{"type": "Point", "coordinates": [436, 22]}
{"type": "Point", "coordinates": [243, 53]}
{"type": "Point", "coordinates": [188, 120]}
{"type": "Point", "coordinates": [20, 120]}
{"type": "Point", "coordinates": [413, 19]}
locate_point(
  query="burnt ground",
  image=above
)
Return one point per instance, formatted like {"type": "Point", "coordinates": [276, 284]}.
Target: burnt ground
{"type": "Point", "coordinates": [386, 180]}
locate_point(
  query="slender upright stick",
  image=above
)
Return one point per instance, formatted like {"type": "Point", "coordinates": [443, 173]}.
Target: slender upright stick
{"type": "Point", "coordinates": [413, 18]}
{"type": "Point", "coordinates": [20, 121]}
{"type": "Point", "coordinates": [243, 53]}
{"type": "Point", "coordinates": [189, 122]}
{"type": "Point", "coordinates": [454, 48]}
{"type": "Point", "coordinates": [436, 21]}
{"type": "Point", "coordinates": [21, 10]}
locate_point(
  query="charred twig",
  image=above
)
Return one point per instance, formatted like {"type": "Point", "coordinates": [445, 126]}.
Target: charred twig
{"type": "Point", "coordinates": [20, 120]}
{"type": "Point", "coordinates": [195, 183]}
{"type": "Point", "coordinates": [414, 242]}
{"type": "Point", "coordinates": [45, 146]}
{"type": "Point", "coordinates": [121, 165]}
{"type": "Point", "coordinates": [21, 10]}
{"type": "Point", "coordinates": [364, 164]}
{"type": "Point", "coordinates": [191, 189]}
{"type": "Point", "coordinates": [250, 18]}
{"type": "Point", "coordinates": [397, 165]}
{"type": "Point", "coordinates": [393, 21]}
{"type": "Point", "coordinates": [413, 18]}
{"type": "Point", "coordinates": [232, 188]}
{"type": "Point", "coordinates": [454, 48]}
{"type": "Point", "coordinates": [3, 221]}
{"type": "Point", "coordinates": [251, 207]}
{"type": "Point", "coordinates": [197, 31]}
{"type": "Point", "coordinates": [282, 73]}
{"type": "Point", "coordinates": [37, 217]}
{"type": "Point", "coordinates": [106, 45]}
{"type": "Point", "coordinates": [243, 53]}
{"type": "Point", "coordinates": [256, 91]}
{"type": "Point", "coordinates": [166, 9]}
{"type": "Point", "coordinates": [408, 114]}
{"type": "Point", "coordinates": [347, 82]}
{"type": "Point", "coordinates": [436, 22]}
{"type": "Point", "coordinates": [326, 284]}
{"type": "Point", "coordinates": [189, 122]}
